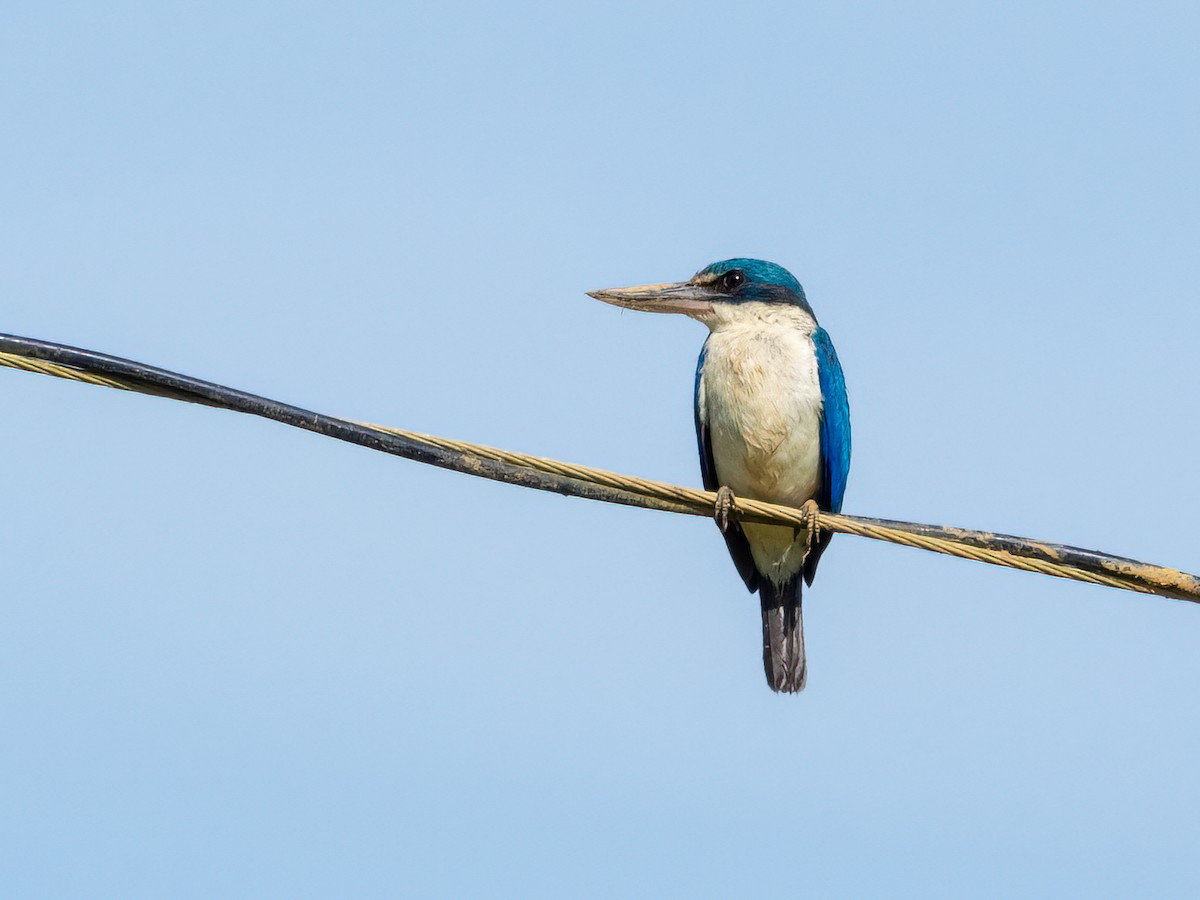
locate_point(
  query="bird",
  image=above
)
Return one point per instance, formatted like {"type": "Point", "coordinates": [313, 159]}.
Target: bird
{"type": "Point", "coordinates": [772, 423]}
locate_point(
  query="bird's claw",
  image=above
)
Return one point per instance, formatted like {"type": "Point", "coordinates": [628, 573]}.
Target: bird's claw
{"type": "Point", "coordinates": [812, 524]}
{"type": "Point", "coordinates": [723, 507]}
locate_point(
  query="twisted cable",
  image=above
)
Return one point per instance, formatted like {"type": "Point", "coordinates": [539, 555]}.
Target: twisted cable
{"type": "Point", "coordinates": [1057, 560]}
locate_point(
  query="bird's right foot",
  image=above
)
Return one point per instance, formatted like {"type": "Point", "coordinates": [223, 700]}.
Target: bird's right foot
{"type": "Point", "coordinates": [723, 507]}
{"type": "Point", "coordinates": [812, 524]}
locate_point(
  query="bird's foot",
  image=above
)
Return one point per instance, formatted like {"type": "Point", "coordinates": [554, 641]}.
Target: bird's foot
{"type": "Point", "coordinates": [723, 507]}
{"type": "Point", "coordinates": [812, 524]}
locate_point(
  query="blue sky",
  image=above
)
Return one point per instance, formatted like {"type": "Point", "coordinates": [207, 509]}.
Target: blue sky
{"type": "Point", "coordinates": [240, 660]}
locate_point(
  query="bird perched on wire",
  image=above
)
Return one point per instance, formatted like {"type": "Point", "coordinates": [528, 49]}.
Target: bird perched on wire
{"type": "Point", "coordinates": [772, 423]}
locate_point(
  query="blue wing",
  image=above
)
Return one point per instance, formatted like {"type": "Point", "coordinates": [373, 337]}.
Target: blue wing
{"type": "Point", "coordinates": [835, 423]}
{"type": "Point", "coordinates": [708, 468]}
{"type": "Point", "coordinates": [835, 439]}
{"type": "Point", "coordinates": [735, 540]}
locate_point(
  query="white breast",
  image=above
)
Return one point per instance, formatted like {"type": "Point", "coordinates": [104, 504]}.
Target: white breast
{"type": "Point", "coordinates": [760, 396]}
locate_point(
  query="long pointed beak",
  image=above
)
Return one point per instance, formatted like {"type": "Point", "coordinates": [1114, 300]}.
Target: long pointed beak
{"type": "Point", "coordinates": [683, 297]}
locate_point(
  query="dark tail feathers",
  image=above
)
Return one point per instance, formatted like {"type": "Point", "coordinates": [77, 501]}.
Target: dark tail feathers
{"type": "Point", "coordinates": [783, 634]}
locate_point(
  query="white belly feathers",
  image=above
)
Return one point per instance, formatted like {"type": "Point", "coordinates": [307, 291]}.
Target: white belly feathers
{"type": "Point", "coordinates": [760, 396]}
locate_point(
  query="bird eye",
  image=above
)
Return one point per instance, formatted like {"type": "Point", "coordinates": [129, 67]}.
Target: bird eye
{"type": "Point", "coordinates": [731, 281]}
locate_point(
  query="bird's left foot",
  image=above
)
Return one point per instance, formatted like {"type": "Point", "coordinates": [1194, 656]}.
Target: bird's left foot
{"type": "Point", "coordinates": [723, 507]}
{"type": "Point", "coordinates": [812, 524]}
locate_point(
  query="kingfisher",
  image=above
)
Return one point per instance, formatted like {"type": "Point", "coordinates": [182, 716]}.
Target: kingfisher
{"type": "Point", "coordinates": [772, 424]}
